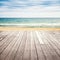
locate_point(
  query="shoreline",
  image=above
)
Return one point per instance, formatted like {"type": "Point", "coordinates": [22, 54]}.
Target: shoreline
{"type": "Point", "coordinates": [25, 28]}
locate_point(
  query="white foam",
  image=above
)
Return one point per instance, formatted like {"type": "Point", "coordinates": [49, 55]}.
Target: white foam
{"type": "Point", "coordinates": [32, 24]}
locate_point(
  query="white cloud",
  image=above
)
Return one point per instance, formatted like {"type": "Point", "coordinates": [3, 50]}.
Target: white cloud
{"type": "Point", "coordinates": [34, 11]}
{"type": "Point", "coordinates": [8, 10]}
{"type": "Point", "coordinates": [30, 14]}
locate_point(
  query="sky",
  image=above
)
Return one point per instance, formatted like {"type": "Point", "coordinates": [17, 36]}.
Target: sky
{"type": "Point", "coordinates": [30, 8]}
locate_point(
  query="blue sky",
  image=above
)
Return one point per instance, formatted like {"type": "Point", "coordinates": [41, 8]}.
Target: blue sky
{"type": "Point", "coordinates": [29, 8]}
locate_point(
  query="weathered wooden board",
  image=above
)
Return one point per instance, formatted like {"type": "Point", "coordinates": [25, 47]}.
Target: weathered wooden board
{"type": "Point", "coordinates": [30, 45]}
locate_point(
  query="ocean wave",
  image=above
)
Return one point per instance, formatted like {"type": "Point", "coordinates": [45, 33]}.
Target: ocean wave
{"type": "Point", "coordinates": [33, 24]}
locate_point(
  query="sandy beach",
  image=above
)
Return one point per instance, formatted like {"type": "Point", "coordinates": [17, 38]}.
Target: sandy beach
{"type": "Point", "coordinates": [21, 28]}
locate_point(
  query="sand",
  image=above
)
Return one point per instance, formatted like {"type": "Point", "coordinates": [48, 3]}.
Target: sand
{"type": "Point", "coordinates": [19, 28]}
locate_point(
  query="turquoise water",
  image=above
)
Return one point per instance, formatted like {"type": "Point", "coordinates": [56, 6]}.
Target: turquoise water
{"type": "Point", "coordinates": [29, 20]}
{"type": "Point", "coordinates": [10, 21]}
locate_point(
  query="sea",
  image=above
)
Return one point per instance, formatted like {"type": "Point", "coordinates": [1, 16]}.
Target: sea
{"type": "Point", "coordinates": [30, 22]}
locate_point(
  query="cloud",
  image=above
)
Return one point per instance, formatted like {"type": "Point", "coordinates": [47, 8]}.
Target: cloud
{"type": "Point", "coordinates": [30, 14]}
{"type": "Point", "coordinates": [34, 11]}
{"type": "Point", "coordinates": [25, 3]}
{"type": "Point", "coordinates": [30, 8]}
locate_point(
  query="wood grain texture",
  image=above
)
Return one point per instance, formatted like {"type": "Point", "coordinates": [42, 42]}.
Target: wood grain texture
{"type": "Point", "coordinates": [30, 45]}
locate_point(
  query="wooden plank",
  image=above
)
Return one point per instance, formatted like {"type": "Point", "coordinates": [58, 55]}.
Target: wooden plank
{"type": "Point", "coordinates": [27, 51]}
{"type": "Point", "coordinates": [30, 45]}
{"type": "Point", "coordinates": [7, 42]}
{"type": "Point", "coordinates": [33, 50]}
{"type": "Point", "coordinates": [54, 40]}
{"type": "Point", "coordinates": [51, 51]}
{"type": "Point", "coordinates": [40, 54]}
{"type": "Point", "coordinates": [44, 49]}
{"type": "Point", "coordinates": [8, 48]}
{"type": "Point", "coordinates": [13, 51]}
{"type": "Point", "coordinates": [7, 38]}
{"type": "Point", "coordinates": [56, 48]}
{"type": "Point", "coordinates": [3, 35]}
{"type": "Point", "coordinates": [20, 52]}
{"type": "Point", "coordinates": [1, 31]}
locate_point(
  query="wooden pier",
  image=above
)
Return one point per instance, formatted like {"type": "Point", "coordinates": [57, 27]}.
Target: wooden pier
{"type": "Point", "coordinates": [30, 45]}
